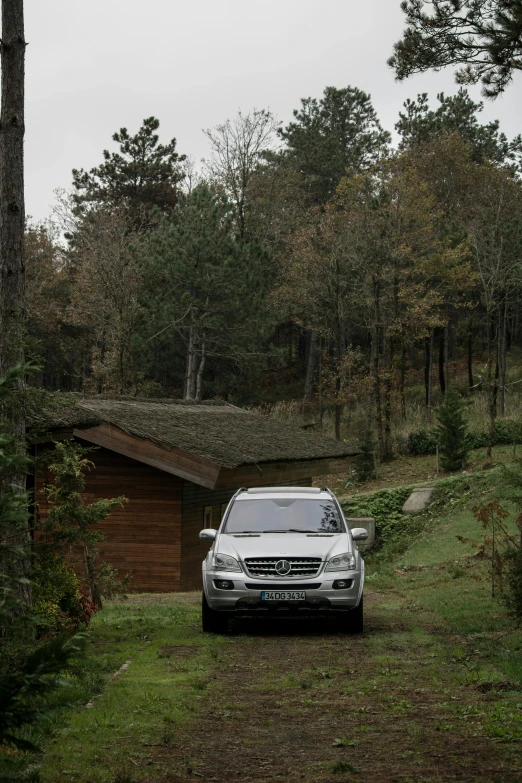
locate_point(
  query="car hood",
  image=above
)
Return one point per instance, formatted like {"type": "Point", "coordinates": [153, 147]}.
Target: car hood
{"type": "Point", "coordinates": [281, 544]}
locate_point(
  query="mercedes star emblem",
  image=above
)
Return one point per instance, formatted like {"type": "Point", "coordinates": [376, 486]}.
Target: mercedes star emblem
{"type": "Point", "coordinates": [283, 567]}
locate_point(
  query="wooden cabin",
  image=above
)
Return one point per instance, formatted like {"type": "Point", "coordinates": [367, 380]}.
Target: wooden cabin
{"type": "Point", "coordinates": [178, 464]}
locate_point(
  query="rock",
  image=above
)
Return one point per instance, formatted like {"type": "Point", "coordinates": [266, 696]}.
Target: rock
{"type": "Point", "coordinates": [418, 501]}
{"type": "Point", "coordinates": [368, 523]}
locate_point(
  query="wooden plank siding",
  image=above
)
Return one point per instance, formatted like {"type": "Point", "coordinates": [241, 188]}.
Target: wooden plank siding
{"type": "Point", "coordinates": [194, 551]}
{"type": "Point", "coordinates": [144, 536]}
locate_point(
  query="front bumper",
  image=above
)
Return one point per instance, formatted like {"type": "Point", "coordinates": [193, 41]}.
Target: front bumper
{"type": "Point", "coordinates": [321, 596]}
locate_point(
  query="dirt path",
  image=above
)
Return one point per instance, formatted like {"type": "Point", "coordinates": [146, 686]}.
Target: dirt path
{"type": "Point", "coordinates": [297, 701]}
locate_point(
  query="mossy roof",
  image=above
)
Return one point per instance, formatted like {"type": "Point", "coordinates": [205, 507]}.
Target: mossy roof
{"type": "Point", "coordinates": [214, 430]}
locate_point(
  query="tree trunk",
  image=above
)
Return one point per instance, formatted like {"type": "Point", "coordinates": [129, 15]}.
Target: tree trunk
{"type": "Point", "coordinates": [492, 391]}
{"type": "Point", "coordinates": [402, 381]}
{"type": "Point", "coordinates": [201, 367]}
{"type": "Point", "coordinates": [321, 383]}
{"type": "Point", "coordinates": [338, 409]}
{"type": "Point", "coordinates": [470, 355]}
{"type": "Point", "coordinates": [502, 334]}
{"type": "Point", "coordinates": [90, 555]}
{"type": "Point", "coordinates": [12, 261]}
{"type": "Point", "coordinates": [387, 389]}
{"type": "Point", "coordinates": [430, 376]}
{"type": "Point", "coordinates": [442, 379]}
{"type": "Point", "coordinates": [447, 353]}
{"type": "Point", "coordinates": [427, 370]}
{"type": "Point", "coordinates": [310, 367]}
{"type": "Point", "coordinates": [188, 392]}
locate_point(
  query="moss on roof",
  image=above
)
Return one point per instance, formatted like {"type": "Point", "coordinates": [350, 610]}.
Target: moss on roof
{"type": "Point", "coordinates": [214, 430]}
{"type": "Point", "coordinates": [58, 411]}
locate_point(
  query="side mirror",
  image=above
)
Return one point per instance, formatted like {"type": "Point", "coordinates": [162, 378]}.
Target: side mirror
{"type": "Point", "coordinates": [207, 535]}
{"type": "Point", "coordinates": [359, 534]}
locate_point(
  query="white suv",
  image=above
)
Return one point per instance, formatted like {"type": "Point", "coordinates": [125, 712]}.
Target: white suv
{"type": "Point", "coordinates": [283, 551]}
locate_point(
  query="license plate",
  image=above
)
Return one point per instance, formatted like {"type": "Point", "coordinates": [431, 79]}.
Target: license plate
{"type": "Point", "coordinates": [283, 595]}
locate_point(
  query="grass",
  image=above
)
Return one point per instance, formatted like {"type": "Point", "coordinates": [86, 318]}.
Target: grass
{"type": "Point", "coordinates": [450, 579]}
{"type": "Point", "coordinates": [126, 716]}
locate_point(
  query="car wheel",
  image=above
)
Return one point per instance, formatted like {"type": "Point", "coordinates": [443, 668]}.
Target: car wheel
{"type": "Point", "coordinates": [211, 620]}
{"type": "Point", "coordinates": [353, 621]}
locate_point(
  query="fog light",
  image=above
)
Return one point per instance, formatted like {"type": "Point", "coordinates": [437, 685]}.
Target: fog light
{"type": "Point", "coordinates": [342, 584]}
{"type": "Point", "coordinates": [223, 584]}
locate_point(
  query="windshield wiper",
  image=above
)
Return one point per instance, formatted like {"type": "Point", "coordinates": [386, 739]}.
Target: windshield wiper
{"type": "Point", "coordinates": [242, 533]}
{"type": "Point", "coordinates": [288, 530]}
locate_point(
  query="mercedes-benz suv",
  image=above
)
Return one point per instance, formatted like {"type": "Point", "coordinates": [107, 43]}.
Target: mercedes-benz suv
{"type": "Point", "coordinates": [283, 551]}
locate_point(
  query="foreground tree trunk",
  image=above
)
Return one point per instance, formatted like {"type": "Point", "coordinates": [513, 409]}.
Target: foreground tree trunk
{"type": "Point", "coordinates": [12, 225]}
{"type": "Point", "coordinates": [12, 210]}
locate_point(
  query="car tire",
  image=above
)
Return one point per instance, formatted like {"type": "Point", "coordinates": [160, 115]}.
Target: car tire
{"type": "Point", "coordinates": [211, 620]}
{"type": "Point", "coordinates": [353, 621]}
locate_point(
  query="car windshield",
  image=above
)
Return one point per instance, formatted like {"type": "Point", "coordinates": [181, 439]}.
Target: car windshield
{"type": "Point", "coordinates": [283, 515]}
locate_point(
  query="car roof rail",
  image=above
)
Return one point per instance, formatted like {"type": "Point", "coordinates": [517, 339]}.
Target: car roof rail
{"type": "Point", "coordinates": [272, 490]}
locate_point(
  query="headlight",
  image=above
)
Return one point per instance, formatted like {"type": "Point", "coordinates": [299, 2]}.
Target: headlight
{"type": "Point", "coordinates": [225, 563]}
{"type": "Point", "coordinates": [345, 562]}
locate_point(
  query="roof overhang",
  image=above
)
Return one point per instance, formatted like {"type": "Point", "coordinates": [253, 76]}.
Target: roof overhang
{"type": "Point", "coordinates": [205, 472]}
{"type": "Point", "coordinates": [176, 461]}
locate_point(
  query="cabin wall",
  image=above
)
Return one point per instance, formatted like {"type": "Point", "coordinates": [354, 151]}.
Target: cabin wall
{"type": "Point", "coordinates": [144, 536]}
{"type": "Point", "coordinates": [195, 500]}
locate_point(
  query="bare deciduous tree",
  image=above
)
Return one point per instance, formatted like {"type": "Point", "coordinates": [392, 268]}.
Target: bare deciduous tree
{"type": "Point", "coordinates": [237, 148]}
{"type": "Point", "coordinates": [104, 300]}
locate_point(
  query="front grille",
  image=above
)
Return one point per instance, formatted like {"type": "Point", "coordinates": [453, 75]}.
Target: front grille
{"type": "Point", "coordinates": [299, 566]}
{"type": "Point", "coordinates": [285, 586]}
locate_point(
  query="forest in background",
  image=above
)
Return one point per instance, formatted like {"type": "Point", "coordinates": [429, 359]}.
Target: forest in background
{"type": "Point", "coordinates": [316, 270]}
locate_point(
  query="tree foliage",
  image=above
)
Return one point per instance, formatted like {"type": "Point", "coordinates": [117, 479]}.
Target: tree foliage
{"type": "Point", "coordinates": [452, 432]}
{"type": "Point", "coordinates": [142, 176]}
{"type": "Point", "coordinates": [71, 522]}
{"type": "Point", "coordinates": [456, 114]}
{"type": "Point", "coordinates": [238, 147]}
{"type": "Point", "coordinates": [483, 37]}
{"type": "Point", "coordinates": [328, 136]}
{"type": "Point", "coordinates": [205, 287]}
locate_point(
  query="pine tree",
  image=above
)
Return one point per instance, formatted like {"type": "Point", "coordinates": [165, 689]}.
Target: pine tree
{"type": "Point", "coordinates": [328, 136]}
{"type": "Point", "coordinates": [455, 114]}
{"type": "Point", "coordinates": [204, 292]}
{"type": "Point", "coordinates": [482, 36]}
{"type": "Point", "coordinates": [452, 432]}
{"type": "Point", "coordinates": [142, 176]}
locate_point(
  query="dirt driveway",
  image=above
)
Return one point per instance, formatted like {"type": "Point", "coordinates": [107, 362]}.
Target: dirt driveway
{"type": "Point", "coordinates": [298, 701]}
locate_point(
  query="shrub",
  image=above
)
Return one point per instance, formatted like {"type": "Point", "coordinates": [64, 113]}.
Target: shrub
{"type": "Point", "coordinates": [23, 692]}
{"type": "Point", "coordinates": [71, 520]}
{"type": "Point", "coordinates": [385, 506]}
{"type": "Point", "coordinates": [422, 442]}
{"type": "Point", "coordinates": [58, 600]}
{"type": "Point", "coordinates": [507, 432]}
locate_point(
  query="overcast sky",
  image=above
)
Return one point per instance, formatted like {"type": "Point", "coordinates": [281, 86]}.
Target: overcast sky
{"type": "Point", "coordinates": [94, 66]}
